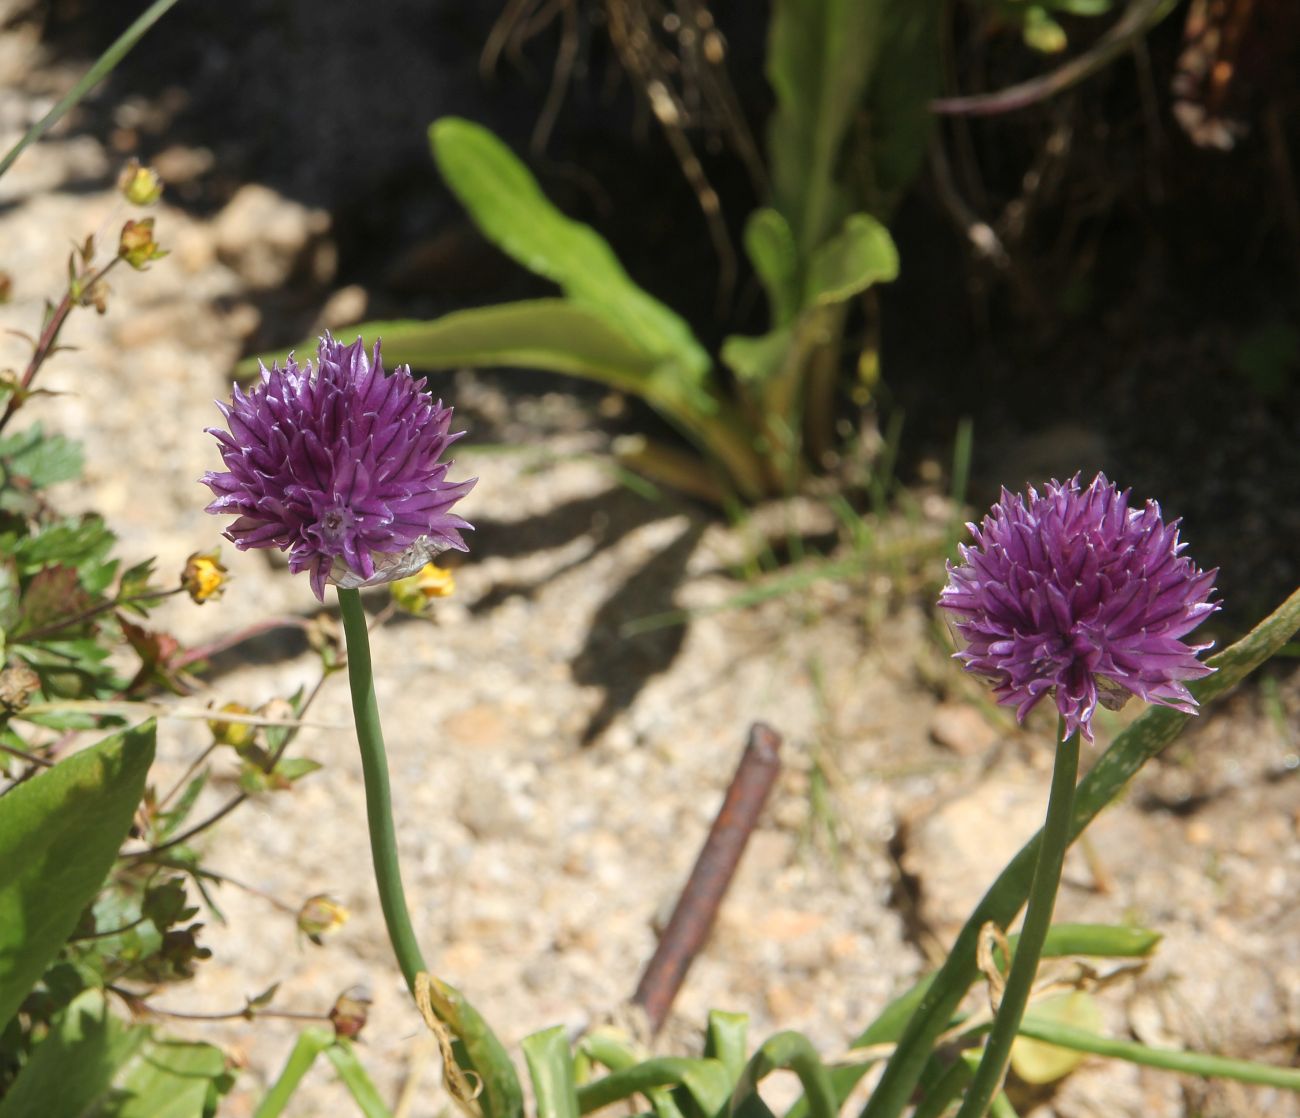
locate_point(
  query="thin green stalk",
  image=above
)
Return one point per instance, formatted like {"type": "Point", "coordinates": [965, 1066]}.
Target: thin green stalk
{"type": "Point", "coordinates": [101, 69]}
{"type": "Point", "coordinates": [1189, 1063]}
{"type": "Point", "coordinates": [1134, 746]}
{"type": "Point", "coordinates": [379, 801]}
{"type": "Point", "coordinates": [940, 1096]}
{"type": "Point", "coordinates": [311, 1043]}
{"type": "Point", "coordinates": [1038, 918]}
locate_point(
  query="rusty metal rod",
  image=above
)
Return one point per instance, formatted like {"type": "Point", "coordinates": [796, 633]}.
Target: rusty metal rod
{"type": "Point", "coordinates": [697, 906]}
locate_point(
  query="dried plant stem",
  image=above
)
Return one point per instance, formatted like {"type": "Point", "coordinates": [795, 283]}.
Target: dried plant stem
{"type": "Point", "coordinates": [1038, 918]}
{"type": "Point", "coordinates": [697, 906]}
{"type": "Point", "coordinates": [379, 802]}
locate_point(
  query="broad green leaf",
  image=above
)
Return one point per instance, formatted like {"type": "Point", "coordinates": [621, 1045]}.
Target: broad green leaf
{"type": "Point", "coordinates": [74, 1066]}
{"type": "Point", "coordinates": [551, 334]}
{"type": "Point", "coordinates": [755, 360]}
{"type": "Point", "coordinates": [905, 79]}
{"type": "Point", "coordinates": [821, 56]}
{"type": "Point", "coordinates": [509, 207]}
{"type": "Point", "coordinates": [550, 1066]}
{"type": "Point", "coordinates": [862, 253]}
{"type": "Point", "coordinates": [1037, 1062]}
{"type": "Point", "coordinates": [775, 257]}
{"type": "Point", "coordinates": [59, 834]}
{"type": "Point", "coordinates": [95, 1065]}
{"type": "Point", "coordinates": [1133, 747]}
{"type": "Point", "coordinates": [168, 1079]}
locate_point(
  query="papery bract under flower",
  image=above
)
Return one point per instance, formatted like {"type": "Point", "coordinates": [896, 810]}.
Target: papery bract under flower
{"type": "Point", "coordinates": [1075, 594]}
{"type": "Point", "coordinates": [339, 465]}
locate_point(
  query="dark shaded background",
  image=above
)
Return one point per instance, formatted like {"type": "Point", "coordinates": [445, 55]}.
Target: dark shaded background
{"type": "Point", "coordinates": [1118, 335]}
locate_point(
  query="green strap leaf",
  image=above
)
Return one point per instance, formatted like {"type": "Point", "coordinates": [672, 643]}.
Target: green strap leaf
{"type": "Point", "coordinates": [550, 1066]}
{"type": "Point", "coordinates": [794, 1052]}
{"type": "Point", "coordinates": [479, 1050]}
{"type": "Point", "coordinates": [1132, 748]}
{"type": "Point", "coordinates": [356, 1079]}
{"type": "Point", "coordinates": [642, 1079]}
{"type": "Point", "coordinates": [1043, 1029]}
{"type": "Point", "coordinates": [508, 205]}
{"type": "Point", "coordinates": [59, 834]}
{"type": "Point", "coordinates": [311, 1042]}
{"type": "Point", "coordinates": [726, 1040]}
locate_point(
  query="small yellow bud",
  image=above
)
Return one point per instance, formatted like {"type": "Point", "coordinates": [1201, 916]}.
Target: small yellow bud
{"type": "Point", "coordinates": [6, 286]}
{"type": "Point", "coordinates": [238, 735]}
{"type": "Point", "coordinates": [204, 577]}
{"type": "Point", "coordinates": [140, 185]}
{"type": "Point", "coordinates": [319, 915]}
{"type": "Point", "coordinates": [137, 246]}
{"type": "Point", "coordinates": [416, 594]}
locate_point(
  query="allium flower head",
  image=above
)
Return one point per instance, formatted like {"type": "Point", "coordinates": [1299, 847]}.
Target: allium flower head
{"type": "Point", "coordinates": [1074, 593]}
{"type": "Point", "coordinates": [339, 465]}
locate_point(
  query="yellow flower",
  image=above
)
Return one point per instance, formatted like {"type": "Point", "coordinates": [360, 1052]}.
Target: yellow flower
{"type": "Point", "coordinates": [204, 577]}
{"type": "Point", "coordinates": [416, 594]}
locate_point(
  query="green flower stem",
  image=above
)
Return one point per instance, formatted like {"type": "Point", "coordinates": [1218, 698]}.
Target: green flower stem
{"type": "Point", "coordinates": [379, 801]}
{"type": "Point", "coordinates": [1189, 1063]}
{"type": "Point", "coordinates": [1134, 746]}
{"type": "Point", "coordinates": [1038, 918]}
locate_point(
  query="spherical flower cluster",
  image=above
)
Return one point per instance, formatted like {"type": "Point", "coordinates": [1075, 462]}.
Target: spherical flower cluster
{"type": "Point", "coordinates": [339, 465]}
{"type": "Point", "coordinates": [1075, 594]}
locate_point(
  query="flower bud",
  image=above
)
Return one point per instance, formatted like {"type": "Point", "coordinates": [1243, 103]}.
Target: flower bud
{"type": "Point", "coordinates": [350, 1012]}
{"type": "Point", "coordinates": [137, 246]}
{"type": "Point", "coordinates": [238, 735]}
{"type": "Point", "coordinates": [17, 685]}
{"type": "Point", "coordinates": [320, 915]}
{"type": "Point", "coordinates": [417, 593]}
{"type": "Point", "coordinates": [204, 577]}
{"type": "Point", "coordinates": [140, 185]}
{"type": "Point", "coordinates": [6, 287]}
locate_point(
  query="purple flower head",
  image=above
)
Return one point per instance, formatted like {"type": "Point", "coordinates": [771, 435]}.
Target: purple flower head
{"type": "Point", "coordinates": [339, 466]}
{"type": "Point", "coordinates": [1074, 593]}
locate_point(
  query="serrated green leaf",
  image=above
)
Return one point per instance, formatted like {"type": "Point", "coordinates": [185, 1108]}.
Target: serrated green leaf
{"type": "Point", "coordinates": [59, 834]}
{"type": "Point", "coordinates": [861, 254]}
{"type": "Point", "coordinates": [508, 205]}
{"type": "Point", "coordinates": [39, 458]}
{"type": "Point", "coordinates": [772, 250]}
